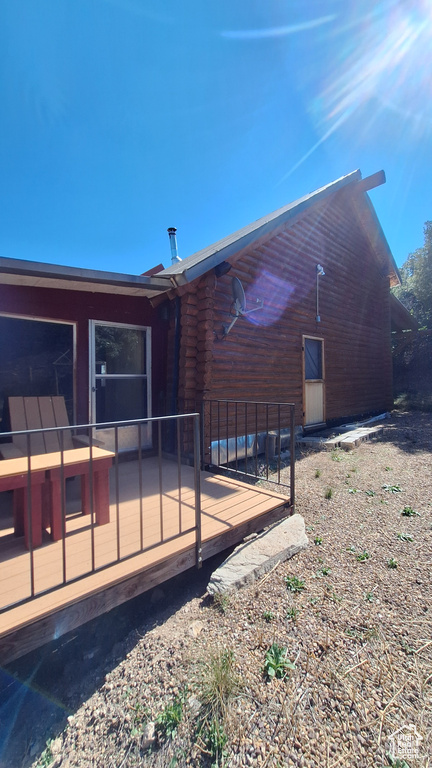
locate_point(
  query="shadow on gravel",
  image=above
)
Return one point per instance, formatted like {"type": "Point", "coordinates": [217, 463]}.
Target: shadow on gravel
{"type": "Point", "coordinates": [39, 691]}
{"type": "Point", "coordinates": [410, 431]}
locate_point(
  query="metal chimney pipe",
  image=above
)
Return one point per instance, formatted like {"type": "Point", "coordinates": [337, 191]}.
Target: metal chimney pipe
{"type": "Point", "coordinates": [175, 258]}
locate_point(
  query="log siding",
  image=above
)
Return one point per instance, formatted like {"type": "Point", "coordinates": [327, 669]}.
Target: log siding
{"type": "Point", "coordinates": [261, 358]}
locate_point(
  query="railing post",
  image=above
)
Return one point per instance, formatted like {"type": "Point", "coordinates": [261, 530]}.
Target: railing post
{"type": "Point", "coordinates": [28, 512]}
{"type": "Point", "coordinates": [203, 414]}
{"type": "Point", "coordinates": [179, 478]}
{"type": "Point", "coordinates": [140, 484]}
{"type": "Point", "coordinates": [63, 505]}
{"type": "Point", "coordinates": [161, 516]}
{"type": "Point", "coordinates": [292, 457]}
{"type": "Point", "coordinates": [197, 464]}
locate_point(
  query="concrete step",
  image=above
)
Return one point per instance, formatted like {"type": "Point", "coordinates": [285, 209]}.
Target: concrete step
{"type": "Point", "coordinates": [347, 436]}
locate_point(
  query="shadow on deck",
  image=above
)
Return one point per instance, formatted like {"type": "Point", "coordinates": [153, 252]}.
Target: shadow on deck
{"type": "Point", "coordinates": [150, 537]}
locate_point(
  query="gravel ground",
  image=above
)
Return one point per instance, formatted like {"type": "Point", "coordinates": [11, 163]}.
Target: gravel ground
{"type": "Point", "coordinates": [358, 636]}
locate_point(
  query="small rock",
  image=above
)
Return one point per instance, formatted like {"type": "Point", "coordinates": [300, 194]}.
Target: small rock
{"type": "Point", "coordinates": [196, 628]}
{"type": "Point", "coordinates": [148, 737]}
{"type": "Point", "coordinates": [56, 746]}
{"type": "Point", "coordinates": [194, 704]}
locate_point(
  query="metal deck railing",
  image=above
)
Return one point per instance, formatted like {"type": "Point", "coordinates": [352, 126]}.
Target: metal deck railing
{"type": "Point", "coordinates": [255, 440]}
{"type": "Point", "coordinates": [25, 502]}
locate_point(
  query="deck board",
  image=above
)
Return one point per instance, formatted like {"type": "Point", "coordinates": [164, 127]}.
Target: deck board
{"type": "Point", "coordinates": [226, 505]}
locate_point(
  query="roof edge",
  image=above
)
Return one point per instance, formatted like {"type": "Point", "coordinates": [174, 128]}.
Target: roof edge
{"type": "Point", "coordinates": [199, 263]}
{"type": "Point", "coordinates": [78, 274]}
{"type": "Point", "coordinates": [397, 280]}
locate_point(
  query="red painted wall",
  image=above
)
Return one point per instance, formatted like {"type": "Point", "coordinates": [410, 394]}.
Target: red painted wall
{"type": "Point", "coordinates": [80, 307]}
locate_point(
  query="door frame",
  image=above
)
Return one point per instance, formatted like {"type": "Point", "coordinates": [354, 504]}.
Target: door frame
{"type": "Point", "coordinates": [322, 380]}
{"type": "Point", "coordinates": [93, 376]}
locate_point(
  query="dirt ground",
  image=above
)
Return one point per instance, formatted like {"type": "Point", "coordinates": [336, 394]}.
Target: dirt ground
{"type": "Point", "coordinates": [351, 614]}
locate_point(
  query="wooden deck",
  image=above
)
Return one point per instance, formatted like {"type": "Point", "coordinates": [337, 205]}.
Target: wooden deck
{"type": "Point", "coordinates": [229, 511]}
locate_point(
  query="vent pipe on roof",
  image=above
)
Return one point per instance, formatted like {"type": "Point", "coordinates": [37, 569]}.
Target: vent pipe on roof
{"type": "Point", "coordinates": [175, 258]}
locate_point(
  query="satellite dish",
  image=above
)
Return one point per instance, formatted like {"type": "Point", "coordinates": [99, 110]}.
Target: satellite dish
{"type": "Point", "coordinates": [238, 296]}
{"type": "Point", "coordinates": [239, 306]}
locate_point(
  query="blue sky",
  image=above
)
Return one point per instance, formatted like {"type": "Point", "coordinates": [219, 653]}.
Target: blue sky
{"type": "Point", "coordinates": [120, 118]}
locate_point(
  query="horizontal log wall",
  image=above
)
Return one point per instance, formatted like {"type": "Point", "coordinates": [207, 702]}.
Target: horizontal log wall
{"type": "Point", "coordinates": [261, 358]}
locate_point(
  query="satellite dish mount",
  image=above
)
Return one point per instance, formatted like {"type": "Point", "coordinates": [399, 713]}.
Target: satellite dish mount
{"type": "Point", "coordinates": [238, 308]}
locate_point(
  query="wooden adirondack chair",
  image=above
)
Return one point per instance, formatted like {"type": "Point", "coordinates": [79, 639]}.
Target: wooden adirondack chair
{"type": "Point", "coordinates": [60, 455]}
{"type": "Point", "coordinates": [39, 413]}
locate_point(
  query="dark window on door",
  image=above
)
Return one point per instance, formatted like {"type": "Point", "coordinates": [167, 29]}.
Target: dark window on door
{"type": "Point", "coordinates": [313, 359]}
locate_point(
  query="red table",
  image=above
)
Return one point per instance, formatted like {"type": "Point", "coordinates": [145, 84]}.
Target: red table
{"type": "Point", "coordinates": [47, 473]}
{"type": "Point", "coordinates": [15, 478]}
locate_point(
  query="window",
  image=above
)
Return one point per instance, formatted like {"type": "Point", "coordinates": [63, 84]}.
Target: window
{"type": "Point", "coordinates": [313, 359]}
{"type": "Point", "coordinates": [37, 359]}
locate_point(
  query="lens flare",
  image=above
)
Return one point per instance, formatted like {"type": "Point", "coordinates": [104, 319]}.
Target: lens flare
{"type": "Point", "coordinates": [275, 293]}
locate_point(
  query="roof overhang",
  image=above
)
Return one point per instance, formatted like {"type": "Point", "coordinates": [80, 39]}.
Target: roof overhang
{"type": "Point", "coordinates": [401, 318]}
{"type": "Point", "coordinates": [368, 218]}
{"type": "Point", "coordinates": [39, 275]}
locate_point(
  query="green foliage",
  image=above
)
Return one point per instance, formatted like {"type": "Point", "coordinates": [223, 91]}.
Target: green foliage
{"type": "Point", "coordinates": [141, 716]}
{"type": "Point", "coordinates": [46, 757]}
{"type": "Point", "coordinates": [405, 537]}
{"type": "Point", "coordinates": [416, 289]}
{"type": "Point", "coordinates": [407, 648]}
{"type": "Point", "coordinates": [170, 718]}
{"type": "Point", "coordinates": [396, 762]}
{"type": "Point", "coordinates": [317, 540]}
{"type": "Point", "coordinates": [336, 455]}
{"type": "Point", "coordinates": [408, 511]}
{"type": "Point", "coordinates": [328, 493]}
{"type": "Point", "coordinates": [392, 488]}
{"type": "Point", "coordinates": [215, 739]}
{"type": "Point", "coordinates": [294, 584]}
{"type": "Point", "coordinates": [352, 490]}
{"type": "Point", "coordinates": [292, 613]}
{"type": "Point", "coordinates": [392, 563]}
{"type": "Point", "coordinates": [276, 663]}
{"type": "Point", "coordinates": [268, 616]}
{"type": "Point", "coordinates": [324, 571]}
{"type": "Point", "coordinates": [218, 685]}
{"type": "Point", "coordinates": [362, 556]}
{"type": "Point", "coordinates": [370, 492]}
{"type": "Point", "coordinates": [369, 597]}
{"type": "Point", "coordinates": [221, 601]}
{"type": "Point", "coordinates": [317, 473]}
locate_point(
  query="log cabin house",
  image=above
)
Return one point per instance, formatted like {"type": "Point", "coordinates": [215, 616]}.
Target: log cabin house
{"type": "Point", "coordinates": [316, 276]}
{"type": "Point", "coordinates": [315, 329]}
{"type": "Point", "coordinates": [292, 309]}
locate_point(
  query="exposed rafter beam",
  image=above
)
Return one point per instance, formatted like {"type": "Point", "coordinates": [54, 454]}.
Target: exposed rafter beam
{"type": "Point", "coordinates": [370, 182]}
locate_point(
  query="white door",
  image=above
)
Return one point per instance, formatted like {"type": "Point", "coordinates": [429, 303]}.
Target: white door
{"type": "Point", "coordinates": [120, 381]}
{"type": "Point", "coordinates": [313, 366]}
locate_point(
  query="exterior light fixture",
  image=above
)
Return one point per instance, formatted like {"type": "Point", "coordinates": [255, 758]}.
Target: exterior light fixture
{"type": "Point", "coordinates": [319, 273]}
{"type": "Point", "coordinates": [222, 268]}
